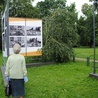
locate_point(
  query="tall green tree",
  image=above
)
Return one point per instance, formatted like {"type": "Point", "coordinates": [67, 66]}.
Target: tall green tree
{"type": "Point", "coordinates": [60, 34]}
{"type": "Point", "coordinates": [23, 8]}
{"type": "Point", "coordinates": [81, 30]}
{"type": "Point", "coordinates": [2, 2]}
{"type": "Point", "coordinates": [85, 26]}
{"type": "Point", "coordinates": [47, 6]}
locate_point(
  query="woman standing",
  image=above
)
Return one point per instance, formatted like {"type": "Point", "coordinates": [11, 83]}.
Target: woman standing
{"type": "Point", "coordinates": [16, 72]}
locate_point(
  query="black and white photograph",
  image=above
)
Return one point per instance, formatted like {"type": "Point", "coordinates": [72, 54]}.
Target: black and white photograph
{"type": "Point", "coordinates": [33, 42]}
{"type": "Point", "coordinates": [34, 31]}
{"type": "Point", "coordinates": [19, 40]}
{"type": "Point", "coordinates": [16, 30]}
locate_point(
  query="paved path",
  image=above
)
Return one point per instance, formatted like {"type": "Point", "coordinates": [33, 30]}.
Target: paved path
{"type": "Point", "coordinates": [83, 59]}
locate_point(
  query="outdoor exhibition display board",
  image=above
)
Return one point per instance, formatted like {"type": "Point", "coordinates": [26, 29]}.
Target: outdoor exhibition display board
{"type": "Point", "coordinates": [27, 32]}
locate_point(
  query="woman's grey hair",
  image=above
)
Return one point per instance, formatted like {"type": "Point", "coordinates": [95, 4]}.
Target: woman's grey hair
{"type": "Point", "coordinates": [16, 48]}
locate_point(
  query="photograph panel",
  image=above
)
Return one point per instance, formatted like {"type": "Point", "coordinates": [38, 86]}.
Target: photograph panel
{"type": "Point", "coordinates": [33, 42]}
{"type": "Point", "coordinates": [33, 31]}
{"type": "Point", "coordinates": [19, 40]}
{"type": "Point", "coordinates": [16, 30]}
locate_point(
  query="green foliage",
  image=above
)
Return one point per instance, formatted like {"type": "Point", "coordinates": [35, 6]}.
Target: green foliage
{"type": "Point", "coordinates": [18, 8]}
{"type": "Point", "coordinates": [60, 34]}
{"type": "Point", "coordinates": [23, 8]}
{"type": "Point", "coordinates": [2, 3]}
{"type": "Point", "coordinates": [47, 6]}
{"type": "Point", "coordinates": [87, 9]}
{"type": "Point", "coordinates": [85, 26]}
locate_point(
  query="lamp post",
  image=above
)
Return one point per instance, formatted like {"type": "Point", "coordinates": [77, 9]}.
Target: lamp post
{"type": "Point", "coordinates": [95, 4]}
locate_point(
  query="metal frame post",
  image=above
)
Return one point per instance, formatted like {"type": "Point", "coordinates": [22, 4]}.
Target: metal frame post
{"type": "Point", "coordinates": [7, 34]}
{"type": "Point", "coordinates": [94, 70]}
{"type": "Point", "coordinates": [95, 4]}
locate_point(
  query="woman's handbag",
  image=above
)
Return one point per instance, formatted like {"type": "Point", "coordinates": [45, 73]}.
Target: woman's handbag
{"type": "Point", "coordinates": [8, 90]}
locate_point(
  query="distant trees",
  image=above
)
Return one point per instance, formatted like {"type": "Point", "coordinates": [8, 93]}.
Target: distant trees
{"type": "Point", "coordinates": [1, 5]}
{"type": "Point", "coordinates": [85, 26]}
{"type": "Point", "coordinates": [23, 8]}
{"type": "Point", "coordinates": [47, 6]}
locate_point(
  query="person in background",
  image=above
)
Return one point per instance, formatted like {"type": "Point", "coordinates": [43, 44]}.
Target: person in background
{"type": "Point", "coordinates": [16, 72]}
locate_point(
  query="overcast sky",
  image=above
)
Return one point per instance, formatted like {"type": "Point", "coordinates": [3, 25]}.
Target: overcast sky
{"type": "Point", "coordinates": [78, 3]}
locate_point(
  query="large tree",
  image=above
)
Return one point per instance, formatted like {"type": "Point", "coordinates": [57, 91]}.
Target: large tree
{"type": "Point", "coordinates": [23, 8]}
{"type": "Point", "coordinates": [85, 26]}
{"type": "Point", "coordinates": [60, 34]}
{"type": "Point", "coordinates": [47, 6]}
{"type": "Point", "coordinates": [1, 5]}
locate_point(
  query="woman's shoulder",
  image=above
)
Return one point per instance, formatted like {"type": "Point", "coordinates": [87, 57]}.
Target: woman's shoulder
{"type": "Point", "coordinates": [21, 55]}
{"type": "Point", "coordinates": [10, 56]}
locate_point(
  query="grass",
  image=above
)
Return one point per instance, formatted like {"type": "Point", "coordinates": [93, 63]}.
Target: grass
{"type": "Point", "coordinates": [66, 80]}
{"type": "Point", "coordinates": [86, 52]}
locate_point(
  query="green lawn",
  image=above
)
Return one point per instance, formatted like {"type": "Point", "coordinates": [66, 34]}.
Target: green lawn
{"type": "Point", "coordinates": [86, 52]}
{"type": "Point", "coordinates": [67, 80]}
